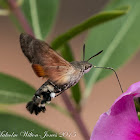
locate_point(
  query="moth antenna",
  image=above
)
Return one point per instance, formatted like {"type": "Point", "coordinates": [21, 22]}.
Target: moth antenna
{"type": "Point", "coordinates": [115, 74]}
{"type": "Point", "coordinates": [84, 52]}
{"type": "Point", "coordinates": [95, 55]}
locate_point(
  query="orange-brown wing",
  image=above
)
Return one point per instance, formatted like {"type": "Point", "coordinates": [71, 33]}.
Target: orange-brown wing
{"type": "Point", "coordinates": [45, 61]}
{"type": "Point", "coordinates": [60, 74]}
{"type": "Point", "coordinates": [39, 52]}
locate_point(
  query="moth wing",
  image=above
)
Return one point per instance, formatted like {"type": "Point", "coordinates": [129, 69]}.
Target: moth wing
{"type": "Point", "coordinates": [39, 52]}
{"type": "Point", "coordinates": [39, 70]}
{"type": "Point", "coordinates": [45, 61]}
{"type": "Point", "coordinates": [60, 74]}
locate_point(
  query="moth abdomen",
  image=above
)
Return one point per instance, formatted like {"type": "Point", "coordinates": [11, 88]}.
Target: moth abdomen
{"type": "Point", "coordinates": [42, 96]}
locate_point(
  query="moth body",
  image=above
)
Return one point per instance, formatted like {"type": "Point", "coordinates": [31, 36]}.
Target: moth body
{"type": "Point", "coordinates": [81, 67]}
{"type": "Point", "coordinates": [46, 63]}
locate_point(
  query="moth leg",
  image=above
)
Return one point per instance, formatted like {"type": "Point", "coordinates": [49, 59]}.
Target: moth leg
{"type": "Point", "coordinates": [57, 88]}
{"type": "Point", "coordinates": [63, 88]}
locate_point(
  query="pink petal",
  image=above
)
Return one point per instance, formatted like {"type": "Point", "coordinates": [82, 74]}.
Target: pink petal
{"type": "Point", "coordinates": [121, 121]}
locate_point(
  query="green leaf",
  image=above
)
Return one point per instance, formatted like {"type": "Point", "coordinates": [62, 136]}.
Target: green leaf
{"type": "Point", "coordinates": [23, 128]}
{"type": "Point", "coordinates": [13, 90]}
{"type": "Point", "coordinates": [139, 117]}
{"type": "Point", "coordinates": [68, 55]}
{"type": "Point", "coordinates": [40, 15]}
{"type": "Point", "coordinates": [118, 38]}
{"type": "Point", "coordinates": [91, 22]}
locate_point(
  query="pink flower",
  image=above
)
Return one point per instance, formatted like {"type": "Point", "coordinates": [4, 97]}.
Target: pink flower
{"type": "Point", "coordinates": [121, 121]}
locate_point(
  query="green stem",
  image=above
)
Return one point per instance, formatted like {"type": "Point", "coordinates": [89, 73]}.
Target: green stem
{"type": "Point", "coordinates": [35, 20]}
{"type": "Point", "coordinates": [76, 116]}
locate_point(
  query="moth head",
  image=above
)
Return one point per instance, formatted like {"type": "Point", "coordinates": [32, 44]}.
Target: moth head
{"type": "Point", "coordinates": [85, 64]}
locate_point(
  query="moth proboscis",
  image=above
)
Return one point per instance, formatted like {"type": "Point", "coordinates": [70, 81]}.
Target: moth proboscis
{"type": "Point", "coordinates": [46, 63]}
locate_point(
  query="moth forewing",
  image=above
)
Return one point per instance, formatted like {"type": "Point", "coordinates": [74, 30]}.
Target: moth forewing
{"type": "Point", "coordinates": [46, 63]}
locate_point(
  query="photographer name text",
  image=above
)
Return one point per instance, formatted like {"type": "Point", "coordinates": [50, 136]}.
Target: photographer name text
{"type": "Point", "coordinates": [30, 134]}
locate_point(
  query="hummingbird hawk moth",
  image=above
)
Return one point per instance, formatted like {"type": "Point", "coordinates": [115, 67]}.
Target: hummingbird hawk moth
{"type": "Point", "coordinates": [46, 63]}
